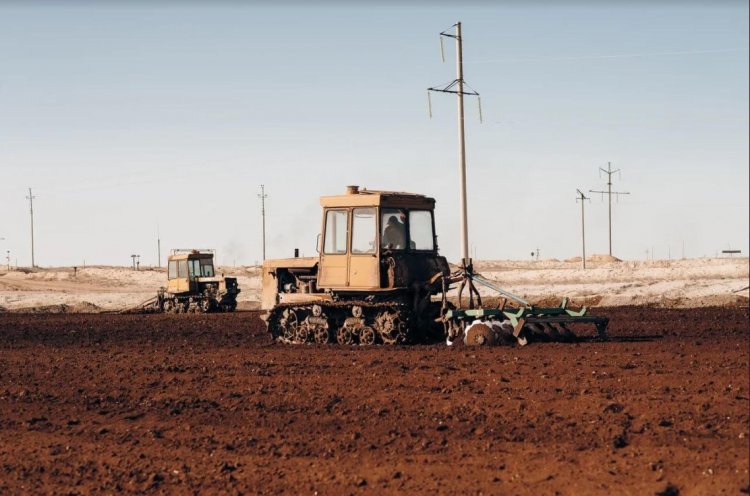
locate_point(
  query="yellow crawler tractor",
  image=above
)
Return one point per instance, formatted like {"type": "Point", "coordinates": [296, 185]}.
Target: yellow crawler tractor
{"type": "Point", "coordinates": [373, 281]}
{"type": "Point", "coordinates": [193, 285]}
{"type": "Point", "coordinates": [378, 278]}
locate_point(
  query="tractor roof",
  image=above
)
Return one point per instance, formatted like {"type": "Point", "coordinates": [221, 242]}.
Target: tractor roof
{"type": "Point", "coordinates": [356, 197]}
{"type": "Point", "coordinates": [190, 255]}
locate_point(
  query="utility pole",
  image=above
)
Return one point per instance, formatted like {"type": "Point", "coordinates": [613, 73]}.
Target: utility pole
{"type": "Point", "coordinates": [609, 193]}
{"type": "Point", "coordinates": [583, 199]}
{"type": "Point", "coordinates": [158, 246]}
{"type": "Point", "coordinates": [457, 87]}
{"type": "Point", "coordinates": [263, 197]}
{"type": "Point", "coordinates": [31, 210]}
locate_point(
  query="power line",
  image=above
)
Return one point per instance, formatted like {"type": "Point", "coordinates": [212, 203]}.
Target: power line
{"type": "Point", "coordinates": [610, 56]}
{"type": "Point", "coordinates": [609, 193]}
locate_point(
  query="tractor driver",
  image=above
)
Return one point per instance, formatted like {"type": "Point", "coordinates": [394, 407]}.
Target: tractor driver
{"type": "Point", "coordinates": [394, 234]}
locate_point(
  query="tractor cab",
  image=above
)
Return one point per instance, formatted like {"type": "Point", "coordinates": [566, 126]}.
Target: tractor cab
{"type": "Point", "coordinates": [187, 269]}
{"type": "Point", "coordinates": [377, 240]}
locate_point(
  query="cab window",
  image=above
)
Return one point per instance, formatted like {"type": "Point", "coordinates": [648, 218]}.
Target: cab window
{"type": "Point", "coordinates": [207, 267]}
{"type": "Point", "coordinates": [336, 227]}
{"type": "Point", "coordinates": [420, 230]}
{"type": "Point", "coordinates": [182, 269]}
{"type": "Point", "coordinates": [363, 230]}
{"type": "Point", "coordinates": [172, 269]}
{"type": "Point", "coordinates": [194, 267]}
{"type": "Point", "coordinates": [393, 229]}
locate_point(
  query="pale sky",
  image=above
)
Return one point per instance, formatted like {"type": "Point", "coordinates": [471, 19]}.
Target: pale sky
{"type": "Point", "coordinates": [128, 118]}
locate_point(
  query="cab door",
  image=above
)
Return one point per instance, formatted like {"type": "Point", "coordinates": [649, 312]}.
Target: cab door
{"type": "Point", "coordinates": [364, 266]}
{"type": "Point", "coordinates": [194, 272]}
{"type": "Point", "coordinates": [179, 281]}
{"type": "Point", "coordinates": [334, 260]}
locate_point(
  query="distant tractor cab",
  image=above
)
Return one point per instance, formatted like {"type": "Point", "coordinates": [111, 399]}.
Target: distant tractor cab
{"type": "Point", "coordinates": [193, 285]}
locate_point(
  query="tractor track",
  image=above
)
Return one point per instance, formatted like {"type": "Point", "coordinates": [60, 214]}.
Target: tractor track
{"type": "Point", "coordinates": [209, 403]}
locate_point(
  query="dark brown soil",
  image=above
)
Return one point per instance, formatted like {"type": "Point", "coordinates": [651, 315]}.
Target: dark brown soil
{"type": "Point", "coordinates": [207, 404]}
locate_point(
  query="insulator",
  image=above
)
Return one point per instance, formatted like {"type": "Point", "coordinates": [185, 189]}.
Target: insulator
{"type": "Point", "coordinates": [479, 103]}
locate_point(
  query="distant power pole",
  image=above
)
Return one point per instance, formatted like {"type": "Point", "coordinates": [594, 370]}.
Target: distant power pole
{"type": "Point", "coordinates": [609, 193]}
{"type": "Point", "coordinates": [263, 197]}
{"type": "Point", "coordinates": [31, 210]}
{"type": "Point", "coordinates": [158, 246]}
{"type": "Point", "coordinates": [583, 199]}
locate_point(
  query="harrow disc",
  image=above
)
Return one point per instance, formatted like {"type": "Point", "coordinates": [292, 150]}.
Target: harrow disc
{"type": "Point", "coordinates": [479, 334]}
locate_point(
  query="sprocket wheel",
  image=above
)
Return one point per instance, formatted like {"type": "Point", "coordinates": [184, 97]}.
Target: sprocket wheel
{"type": "Point", "coordinates": [391, 328]}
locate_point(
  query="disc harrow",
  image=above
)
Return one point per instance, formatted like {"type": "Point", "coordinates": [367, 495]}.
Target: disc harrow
{"type": "Point", "coordinates": [488, 326]}
{"type": "Point", "coordinates": [520, 323]}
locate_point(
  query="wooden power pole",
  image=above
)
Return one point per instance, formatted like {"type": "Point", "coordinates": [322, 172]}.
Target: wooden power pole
{"type": "Point", "coordinates": [31, 211]}
{"type": "Point", "coordinates": [457, 87]}
{"type": "Point", "coordinates": [583, 199]}
{"type": "Point", "coordinates": [609, 193]}
{"type": "Point", "coordinates": [263, 197]}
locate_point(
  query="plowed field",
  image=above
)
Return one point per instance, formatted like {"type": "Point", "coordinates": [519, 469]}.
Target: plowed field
{"type": "Point", "coordinates": [208, 404]}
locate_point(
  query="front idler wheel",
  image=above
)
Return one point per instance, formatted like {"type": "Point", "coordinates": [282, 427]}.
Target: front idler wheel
{"type": "Point", "coordinates": [289, 324]}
